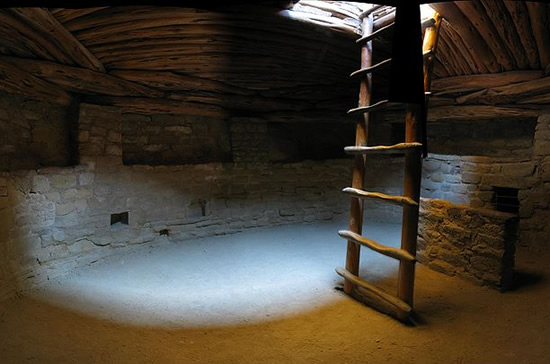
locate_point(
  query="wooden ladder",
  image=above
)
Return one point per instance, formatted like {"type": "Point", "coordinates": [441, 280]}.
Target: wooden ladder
{"type": "Point", "coordinates": [400, 305]}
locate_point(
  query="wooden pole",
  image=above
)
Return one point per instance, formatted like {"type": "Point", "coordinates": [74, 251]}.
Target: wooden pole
{"type": "Point", "coordinates": [415, 120]}
{"type": "Point", "coordinates": [356, 206]}
{"type": "Point", "coordinates": [413, 170]}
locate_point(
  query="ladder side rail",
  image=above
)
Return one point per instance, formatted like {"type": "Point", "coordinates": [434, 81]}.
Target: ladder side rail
{"type": "Point", "coordinates": [358, 178]}
{"type": "Point", "coordinates": [415, 121]}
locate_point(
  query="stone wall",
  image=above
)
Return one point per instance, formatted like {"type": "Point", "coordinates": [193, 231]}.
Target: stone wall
{"type": "Point", "coordinates": [54, 219]}
{"type": "Point", "coordinates": [32, 134]}
{"type": "Point", "coordinates": [165, 139]}
{"type": "Point", "coordinates": [384, 174]}
{"type": "Point", "coordinates": [498, 138]}
{"type": "Point", "coordinates": [472, 180]}
{"type": "Point", "coordinates": [472, 243]}
{"type": "Point", "coordinates": [480, 157]}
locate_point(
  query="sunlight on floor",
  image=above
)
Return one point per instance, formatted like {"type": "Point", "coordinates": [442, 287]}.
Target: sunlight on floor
{"type": "Point", "coordinates": [234, 279]}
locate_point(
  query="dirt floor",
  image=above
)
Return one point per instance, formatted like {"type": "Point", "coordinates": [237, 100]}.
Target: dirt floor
{"type": "Point", "coordinates": [268, 296]}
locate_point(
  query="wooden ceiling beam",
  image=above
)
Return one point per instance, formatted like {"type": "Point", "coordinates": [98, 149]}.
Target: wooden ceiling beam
{"type": "Point", "coordinates": [169, 81]}
{"type": "Point", "coordinates": [538, 13]}
{"type": "Point", "coordinates": [477, 15]}
{"type": "Point", "coordinates": [444, 55]}
{"type": "Point", "coordinates": [471, 63]}
{"type": "Point", "coordinates": [513, 93]}
{"type": "Point", "coordinates": [28, 39]}
{"type": "Point", "coordinates": [520, 17]}
{"type": "Point", "coordinates": [15, 80]}
{"type": "Point", "coordinates": [81, 80]}
{"type": "Point", "coordinates": [113, 15]}
{"type": "Point", "coordinates": [498, 14]}
{"type": "Point", "coordinates": [439, 69]}
{"type": "Point", "coordinates": [59, 37]}
{"type": "Point", "coordinates": [157, 106]}
{"type": "Point", "coordinates": [472, 39]}
{"type": "Point", "coordinates": [64, 15]}
{"type": "Point", "coordinates": [446, 46]}
{"type": "Point", "coordinates": [477, 113]}
{"type": "Point", "coordinates": [470, 83]}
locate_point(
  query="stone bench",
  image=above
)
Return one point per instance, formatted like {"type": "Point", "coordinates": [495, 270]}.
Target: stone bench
{"type": "Point", "coordinates": [471, 243]}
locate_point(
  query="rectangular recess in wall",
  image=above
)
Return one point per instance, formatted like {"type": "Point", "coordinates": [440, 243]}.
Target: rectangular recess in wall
{"type": "Point", "coordinates": [163, 139]}
{"type": "Point", "coordinates": [505, 199]}
{"type": "Point", "coordinates": [119, 219]}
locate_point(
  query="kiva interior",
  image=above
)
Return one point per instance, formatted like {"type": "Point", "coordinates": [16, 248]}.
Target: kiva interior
{"type": "Point", "coordinates": [275, 182]}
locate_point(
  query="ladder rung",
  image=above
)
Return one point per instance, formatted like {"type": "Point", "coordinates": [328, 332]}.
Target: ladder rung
{"type": "Point", "coordinates": [367, 70]}
{"type": "Point", "coordinates": [384, 149]}
{"type": "Point", "coordinates": [388, 251]}
{"type": "Point", "coordinates": [380, 105]}
{"type": "Point", "coordinates": [372, 289]}
{"type": "Point", "coordinates": [375, 34]}
{"type": "Point", "coordinates": [397, 200]}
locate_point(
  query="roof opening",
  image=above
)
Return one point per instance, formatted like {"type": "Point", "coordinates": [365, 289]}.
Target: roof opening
{"type": "Point", "coordinates": [342, 16]}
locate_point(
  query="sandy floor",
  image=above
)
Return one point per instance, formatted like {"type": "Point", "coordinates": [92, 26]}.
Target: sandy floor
{"type": "Point", "coordinates": [268, 296]}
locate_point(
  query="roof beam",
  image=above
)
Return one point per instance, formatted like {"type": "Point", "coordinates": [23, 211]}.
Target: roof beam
{"type": "Point", "coordinates": [468, 83]}
{"type": "Point", "coordinates": [519, 13]}
{"type": "Point", "coordinates": [157, 106]}
{"type": "Point", "coordinates": [515, 93]}
{"type": "Point", "coordinates": [64, 15]}
{"type": "Point", "coordinates": [477, 113]}
{"type": "Point", "coordinates": [502, 21]}
{"type": "Point", "coordinates": [46, 24]}
{"type": "Point", "coordinates": [14, 80]}
{"type": "Point", "coordinates": [539, 23]}
{"type": "Point", "coordinates": [26, 39]}
{"type": "Point", "coordinates": [81, 80]}
{"type": "Point", "coordinates": [476, 13]}
{"type": "Point", "coordinates": [468, 32]}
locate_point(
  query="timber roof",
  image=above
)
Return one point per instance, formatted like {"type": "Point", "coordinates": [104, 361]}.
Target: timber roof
{"type": "Point", "coordinates": [153, 58]}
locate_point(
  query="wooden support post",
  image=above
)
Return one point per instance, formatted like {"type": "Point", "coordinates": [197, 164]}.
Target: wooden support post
{"type": "Point", "coordinates": [429, 44]}
{"type": "Point", "coordinates": [356, 206]}
{"type": "Point", "coordinates": [413, 170]}
{"type": "Point", "coordinates": [415, 124]}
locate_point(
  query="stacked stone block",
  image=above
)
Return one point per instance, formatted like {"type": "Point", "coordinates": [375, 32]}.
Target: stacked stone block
{"type": "Point", "coordinates": [475, 244]}
{"type": "Point", "coordinates": [471, 180]}
{"type": "Point", "coordinates": [33, 134]}
{"type": "Point", "coordinates": [55, 219]}
{"type": "Point", "coordinates": [165, 139]}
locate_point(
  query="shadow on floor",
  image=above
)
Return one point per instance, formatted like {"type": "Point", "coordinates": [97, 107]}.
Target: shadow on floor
{"type": "Point", "coordinates": [523, 279]}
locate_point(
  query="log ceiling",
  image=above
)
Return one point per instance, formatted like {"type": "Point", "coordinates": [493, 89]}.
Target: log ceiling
{"type": "Point", "coordinates": [494, 59]}
{"type": "Point", "coordinates": [258, 58]}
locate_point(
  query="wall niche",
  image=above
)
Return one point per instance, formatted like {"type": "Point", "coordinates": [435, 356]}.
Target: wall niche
{"type": "Point", "coordinates": [294, 142]}
{"type": "Point", "coordinates": [166, 139]}
{"type": "Point", "coordinates": [33, 134]}
{"type": "Point", "coordinates": [499, 138]}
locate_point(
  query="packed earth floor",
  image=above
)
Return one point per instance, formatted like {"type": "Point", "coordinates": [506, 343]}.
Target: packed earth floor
{"type": "Point", "coordinates": [270, 296]}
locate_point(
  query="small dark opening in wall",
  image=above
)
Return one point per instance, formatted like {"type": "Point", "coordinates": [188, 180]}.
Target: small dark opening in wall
{"type": "Point", "coordinates": [119, 219]}
{"type": "Point", "coordinates": [505, 199]}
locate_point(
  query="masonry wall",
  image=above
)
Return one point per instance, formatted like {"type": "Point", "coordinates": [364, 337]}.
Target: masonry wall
{"type": "Point", "coordinates": [472, 243]}
{"type": "Point", "coordinates": [467, 161]}
{"type": "Point", "coordinates": [472, 180]}
{"type": "Point", "coordinates": [56, 218]}
{"type": "Point", "coordinates": [165, 139]}
{"type": "Point", "coordinates": [32, 134]}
